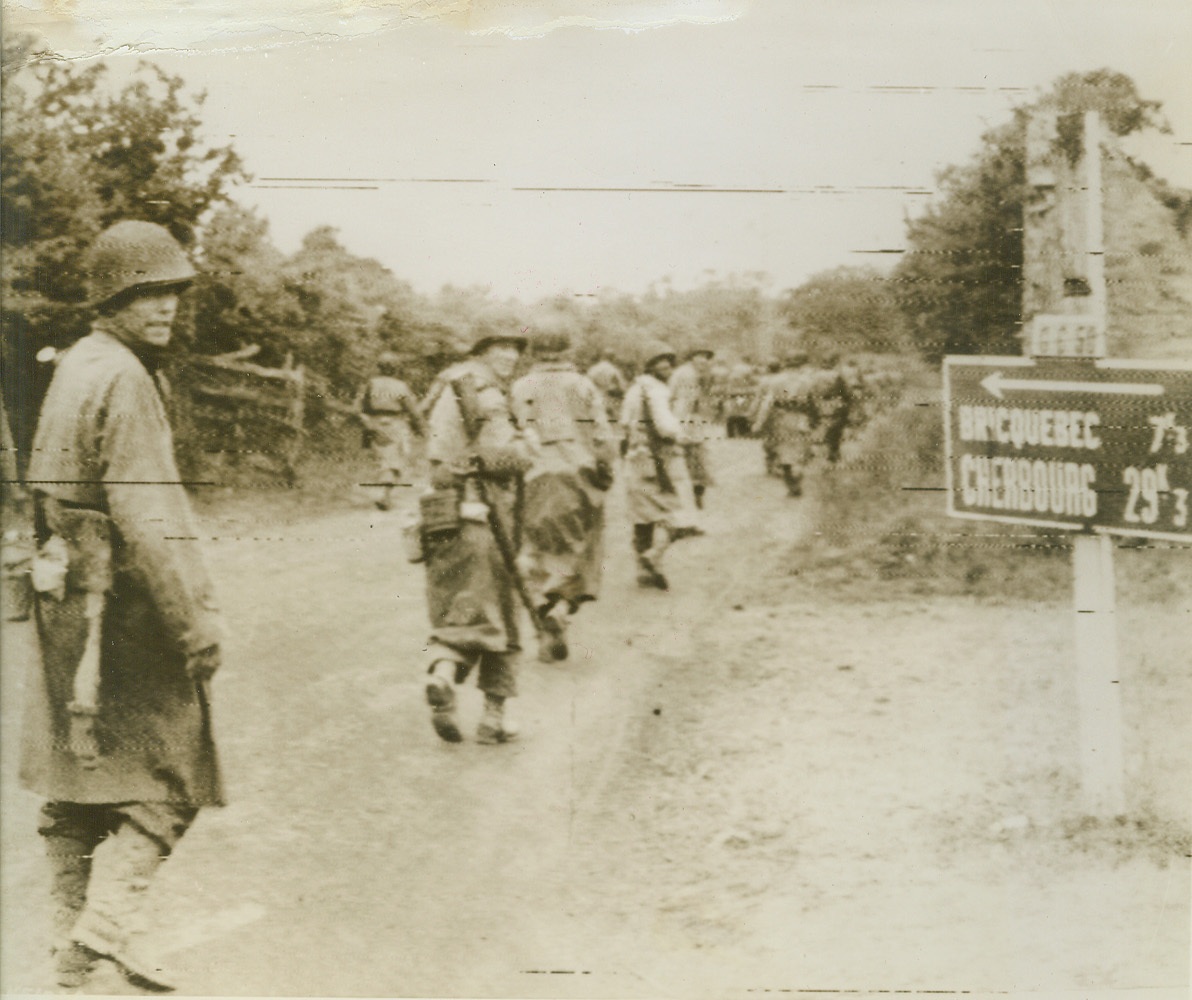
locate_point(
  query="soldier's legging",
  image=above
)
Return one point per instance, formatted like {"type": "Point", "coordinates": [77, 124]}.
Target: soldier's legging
{"type": "Point", "coordinates": [73, 831]}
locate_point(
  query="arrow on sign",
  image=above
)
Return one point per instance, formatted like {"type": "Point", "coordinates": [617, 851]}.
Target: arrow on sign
{"type": "Point", "coordinates": [997, 385]}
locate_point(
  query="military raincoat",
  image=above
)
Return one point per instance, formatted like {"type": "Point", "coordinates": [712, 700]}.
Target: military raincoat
{"type": "Point", "coordinates": [103, 444]}
{"type": "Point", "coordinates": [470, 594]}
{"type": "Point", "coordinates": [563, 513]}
{"type": "Point", "coordinates": [649, 501]}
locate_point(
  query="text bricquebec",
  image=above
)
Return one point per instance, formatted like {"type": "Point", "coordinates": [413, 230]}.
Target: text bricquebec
{"type": "Point", "coordinates": [1025, 485]}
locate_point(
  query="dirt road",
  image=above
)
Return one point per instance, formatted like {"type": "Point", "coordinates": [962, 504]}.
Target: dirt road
{"type": "Point", "coordinates": [732, 788]}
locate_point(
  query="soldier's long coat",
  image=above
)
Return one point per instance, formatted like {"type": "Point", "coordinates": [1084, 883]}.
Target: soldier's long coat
{"type": "Point", "coordinates": [649, 503]}
{"type": "Point", "coordinates": [103, 443]}
{"type": "Point", "coordinates": [470, 595]}
{"type": "Point", "coordinates": [564, 511]}
{"type": "Point", "coordinates": [786, 417]}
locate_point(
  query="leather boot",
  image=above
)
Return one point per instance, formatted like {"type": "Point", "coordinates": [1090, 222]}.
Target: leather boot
{"type": "Point", "coordinates": [121, 869]}
{"type": "Point", "coordinates": [650, 562]}
{"type": "Point", "coordinates": [494, 727]}
{"type": "Point", "coordinates": [70, 869]}
{"type": "Point", "coordinates": [552, 645]}
{"type": "Point", "coordinates": [440, 695]}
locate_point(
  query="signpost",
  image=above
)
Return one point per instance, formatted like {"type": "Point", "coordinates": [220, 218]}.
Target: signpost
{"type": "Point", "coordinates": [1067, 439]}
{"type": "Point", "coordinates": [1079, 444]}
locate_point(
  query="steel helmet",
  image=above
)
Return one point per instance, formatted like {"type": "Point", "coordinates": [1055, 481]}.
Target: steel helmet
{"type": "Point", "coordinates": [655, 351]}
{"type": "Point", "coordinates": [489, 332]}
{"type": "Point", "coordinates": [550, 344]}
{"type": "Point", "coordinates": [388, 363]}
{"type": "Point", "coordinates": [134, 256]}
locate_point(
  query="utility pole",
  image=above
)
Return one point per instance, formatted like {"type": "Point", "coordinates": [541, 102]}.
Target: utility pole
{"type": "Point", "coordinates": [1065, 315]}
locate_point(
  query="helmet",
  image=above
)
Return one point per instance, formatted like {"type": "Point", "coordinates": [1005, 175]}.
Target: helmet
{"type": "Point", "coordinates": [656, 351]}
{"type": "Point", "coordinates": [707, 352]}
{"type": "Point", "coordinates": [387, 363]}
{"type": "Point", "coordinates": [134, 256]}
{"type": "Point", "coordinates": [550, 344]}
{"type": "Point", "coordinates": [488, 333]}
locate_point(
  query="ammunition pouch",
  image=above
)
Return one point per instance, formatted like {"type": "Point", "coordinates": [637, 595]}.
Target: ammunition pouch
{"type": "Point", "coordinates": [439, 512]}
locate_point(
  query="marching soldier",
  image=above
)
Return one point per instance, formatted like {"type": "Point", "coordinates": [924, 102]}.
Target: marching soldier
{"type": "Point", "coordinates": [837, 405]}
{"type": "Point", "coordinates": [785, 418]}
{"type": "Point", "coordinates": [388, 410]}
{"type": "Point", "coordinates": [477, 456]}
{"type": "Point", "coordinates": [693, 405]}
{"type": "Point", "coordinates": [655, 473]}
{"type": "Point", "coordinates": [565, 488]}
{"type": "Point", "coordinates": [607, 377]}
{"type": "Point", "coordinates": [118, 731]}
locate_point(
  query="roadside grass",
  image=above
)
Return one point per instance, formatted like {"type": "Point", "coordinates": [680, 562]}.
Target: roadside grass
{"type": "Point", "coordinates": [879, 527]}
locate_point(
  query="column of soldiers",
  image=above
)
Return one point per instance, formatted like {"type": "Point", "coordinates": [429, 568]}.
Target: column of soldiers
{"type": "Point", "coordinates": [803, 413]}
{"type": "Point", "coordinates": [118, 736]}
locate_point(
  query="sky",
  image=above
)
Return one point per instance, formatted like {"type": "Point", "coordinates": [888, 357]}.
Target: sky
{"type": "Point", "coordinates": [572, 146]}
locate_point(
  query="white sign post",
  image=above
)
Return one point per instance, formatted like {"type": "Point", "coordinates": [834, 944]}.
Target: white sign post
{"type": "Point", "coordinates": [1057, 218]}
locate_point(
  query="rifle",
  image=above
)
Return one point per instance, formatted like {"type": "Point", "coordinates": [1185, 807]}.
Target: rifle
{"type": "Point", "coordinates": [654, 440]}
{"type": "Point", "coordinates": [88, 535]}
{"type": "Point", "coordinates": [505, 545]}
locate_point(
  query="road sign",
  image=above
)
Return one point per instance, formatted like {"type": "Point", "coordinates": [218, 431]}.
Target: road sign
{"type": "Point", "coordinates": [1101, 445]}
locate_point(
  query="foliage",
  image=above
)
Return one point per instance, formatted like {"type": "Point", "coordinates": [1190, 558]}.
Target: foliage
{"type": "Point", "coordinates": [77, 154]}
{"type": "Point", "coordinates": [961, 277]}
{"type": "Point", "coordinates": [847, 309]}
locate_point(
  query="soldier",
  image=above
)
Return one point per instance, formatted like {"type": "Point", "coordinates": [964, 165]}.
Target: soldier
{"type": "Point", "coordinates": [785, 419]}
{"type": "Point", "coordinates": [607, 377]}
{"type": "Point", "coordinates": [837, 402]}
{"type": "Point", "coordinates": [477, 456]}
{"type": "Point", "coordinates": [655, 473]}
{"type": "Point", "coordinates": [118, 728]}
{"type": "Point", "coordinates": [565, 488]}
{"type": "Point", "coordinates": [693, 405]}
{"type": "Point", "coordinates": [388, 410]}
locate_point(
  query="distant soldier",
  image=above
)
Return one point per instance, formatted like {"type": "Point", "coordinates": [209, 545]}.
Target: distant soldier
{"type": "Point", "coordinates": [607, 377]}
{"type": "Point", "coordinates": [837, 398]}
{"type": "Point", "coordinates": [118, 731]}
{"type": "Point", "coordinates": [692, 403]}
{"type": "Point", "coordinates": [785, 420]}
{"type": "Point", "coordinates": [388, 409]}
{"type": "Point", "coordinates": [477, 456]}
{"type": "Point", "coordinates": [758, 421]}
{"type": "Point", "coordinates": [655, 472]}
{"type": "Point", "coordinates": [563, 514]}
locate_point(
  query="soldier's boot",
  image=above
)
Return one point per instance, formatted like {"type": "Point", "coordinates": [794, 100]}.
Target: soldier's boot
{"type": "Point", "coordinates": [70, 870]}
{"type": "Point", "coordinates": [552, 645]}
{"type": "Point", "coordinates": [440, 695]}
{"type": "Point", "coordinates": [793, 480]}
{"type": "Point", "coordinates": [121, 869]}
{"type": "Point", "coordinates": [494, 727]}
{"type": "Point", "coordinates": [699, 496]}
{"type": "Point", "coordinates": [650, 562]}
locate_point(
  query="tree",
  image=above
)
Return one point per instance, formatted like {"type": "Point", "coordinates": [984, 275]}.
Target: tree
{"type": "Point", "coordinates": [850, 309]}
{"type": "Point", "coordinates": [75, 156]}
{"type": "Point", "coordinates": [961, 279]}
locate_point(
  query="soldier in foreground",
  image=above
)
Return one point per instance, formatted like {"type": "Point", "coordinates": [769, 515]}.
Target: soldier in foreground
{"type": "Point", "coordinates": [388, 410]}
{"type": "Point", "coordinates": [693, 405]}
{"type": "Point", "coordinates": [565, 488]}
{"type": "Point", "coordinates": [117, 733]}
{"type": "Point", "coordinates": [655, 472]}
{"type": "Point", "coordinates": [469, 531]}
{"type": "Point", "coordinates": [785, 418]}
